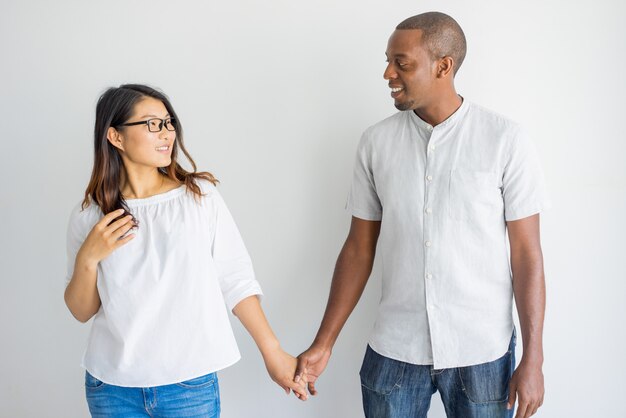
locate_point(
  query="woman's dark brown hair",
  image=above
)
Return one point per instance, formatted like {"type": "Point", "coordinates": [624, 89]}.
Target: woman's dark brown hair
{"type": "Point", "coordinates": [114, 108]}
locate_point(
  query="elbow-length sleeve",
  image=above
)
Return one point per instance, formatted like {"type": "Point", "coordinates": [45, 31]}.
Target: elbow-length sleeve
{"type": "Point", "coordinates": [234, 266]}
{"type": "Point", "coordinates": [78, 228]}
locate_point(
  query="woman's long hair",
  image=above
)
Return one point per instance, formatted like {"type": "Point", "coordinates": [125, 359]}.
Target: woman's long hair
{"type": "Point", "coordinates": [114, 108]}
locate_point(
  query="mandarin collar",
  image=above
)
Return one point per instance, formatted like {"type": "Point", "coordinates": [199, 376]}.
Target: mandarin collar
{"type": "Point", "coordinates": [451, 120]}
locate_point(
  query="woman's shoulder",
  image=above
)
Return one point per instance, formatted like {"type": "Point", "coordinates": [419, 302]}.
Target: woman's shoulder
{"type": "Point", "coordinates": [207, 188]}
{"type": "Point", "coordinates": [86, 209]}
{"type": "Point", "coordinates": [84, 215]}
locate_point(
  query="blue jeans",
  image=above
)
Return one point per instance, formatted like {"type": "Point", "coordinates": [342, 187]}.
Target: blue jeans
{"type": "Point", "coordinates": [394, 389]}
{"type": "Point", "coordinates": [198, 397]}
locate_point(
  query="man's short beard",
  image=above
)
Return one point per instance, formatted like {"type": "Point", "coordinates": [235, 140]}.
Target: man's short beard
{"type": "Point", "coordinates": [404, 105]}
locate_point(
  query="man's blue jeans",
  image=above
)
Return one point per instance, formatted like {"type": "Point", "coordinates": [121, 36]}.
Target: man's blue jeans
{"type": "Point", "coordinates": [199, 397]}
{"type": "Point", "coordinates": [394, 389]}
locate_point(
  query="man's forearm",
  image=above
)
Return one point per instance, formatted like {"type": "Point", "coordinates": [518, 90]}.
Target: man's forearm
{"type": "Point", "coordinates": [530, 297]}
{"type": "Point", "coordinates": [349, 279]}
{"type": "Point", "coordinates": [352, 271]}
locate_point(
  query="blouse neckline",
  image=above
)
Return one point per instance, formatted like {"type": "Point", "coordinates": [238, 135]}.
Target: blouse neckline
{"type": "Point", "coordinates": [157, 198]}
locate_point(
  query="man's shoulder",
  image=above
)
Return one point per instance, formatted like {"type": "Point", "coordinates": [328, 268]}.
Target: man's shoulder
{"type": "Point", "coordinates": [388, 125]}
{"type": "Point", "coordinates": [489, 119]}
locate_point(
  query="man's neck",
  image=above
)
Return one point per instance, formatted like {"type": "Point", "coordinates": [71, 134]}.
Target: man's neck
{"type": "Point", "coordinates": [441, 110]}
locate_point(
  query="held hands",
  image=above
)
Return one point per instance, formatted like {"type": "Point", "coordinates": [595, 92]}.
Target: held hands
{"type": "Point", "coordinates": [527, 385]}
{"type": "Point", "coordinates": [311, 364]}
{"type": "Point", "coordinates": [281, 367]}
{"type": "Point", "coordinates": [105, 237]}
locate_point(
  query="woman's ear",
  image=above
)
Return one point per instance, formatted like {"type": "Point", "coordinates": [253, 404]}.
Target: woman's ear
{"type": "Point", "coordinates": [115, 138]}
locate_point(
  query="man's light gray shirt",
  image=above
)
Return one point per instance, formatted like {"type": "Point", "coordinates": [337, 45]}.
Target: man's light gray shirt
{"type": "Point", "coordinates": [444, 194]}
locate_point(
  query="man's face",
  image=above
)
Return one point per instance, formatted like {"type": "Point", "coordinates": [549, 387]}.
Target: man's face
{"type": "Point", "coordinates": [410, 71]}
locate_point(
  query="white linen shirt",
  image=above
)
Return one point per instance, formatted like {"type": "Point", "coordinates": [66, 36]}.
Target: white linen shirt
{"type": "Point", "coordinates": [163, 317]}
{"type": "Point", "coordinates": [443, 195]}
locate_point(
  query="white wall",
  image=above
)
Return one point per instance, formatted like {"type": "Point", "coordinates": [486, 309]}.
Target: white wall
{"type": "Point", "coordinates": [274, 96]}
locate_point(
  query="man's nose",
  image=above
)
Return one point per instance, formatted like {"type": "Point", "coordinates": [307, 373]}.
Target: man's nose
{"type": "Point", "coordinates": [390, 72]}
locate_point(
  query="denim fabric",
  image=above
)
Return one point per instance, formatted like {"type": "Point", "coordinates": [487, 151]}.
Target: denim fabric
{"type": "Point", "coordinates": [198, 397]}
{"type": "Point", "coordinates": [394, 389]}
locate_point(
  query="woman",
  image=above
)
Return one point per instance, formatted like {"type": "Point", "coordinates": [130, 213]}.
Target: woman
{"type": "Point", "coordinates": [155, 257]}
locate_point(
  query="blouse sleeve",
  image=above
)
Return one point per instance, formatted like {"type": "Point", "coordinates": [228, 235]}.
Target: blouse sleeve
{"type": "Point", "coordinates": [79, 225]}
{"type": "Point", "coordinates": [234, 267]}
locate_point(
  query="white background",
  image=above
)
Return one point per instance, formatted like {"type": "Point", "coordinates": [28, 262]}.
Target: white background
{"type": "Point", "coordinates": [273, 96]}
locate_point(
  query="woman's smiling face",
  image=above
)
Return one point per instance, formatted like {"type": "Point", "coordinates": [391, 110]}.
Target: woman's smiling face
{"type": "Point", "coordinates": [137, 145]}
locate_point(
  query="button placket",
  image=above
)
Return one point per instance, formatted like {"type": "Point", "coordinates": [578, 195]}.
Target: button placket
{"type": "Point", "coordinates": [430, 188]}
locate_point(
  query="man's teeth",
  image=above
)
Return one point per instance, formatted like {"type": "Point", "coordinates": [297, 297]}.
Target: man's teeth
{"type": "Point", "coordinates": [396, 89]}
{"type": "Point", "coordinates": [165, 148]}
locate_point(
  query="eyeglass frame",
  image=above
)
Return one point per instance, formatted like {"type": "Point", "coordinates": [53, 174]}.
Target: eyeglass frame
{"type": "Point", "coordinates": [162, 124]}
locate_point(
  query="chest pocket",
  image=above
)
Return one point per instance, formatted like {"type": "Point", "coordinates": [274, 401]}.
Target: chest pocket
{"type": "Point", "coordinates": [473, 195]}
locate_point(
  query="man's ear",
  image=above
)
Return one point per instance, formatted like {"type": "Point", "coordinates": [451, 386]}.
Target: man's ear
{"type": "Point", "coordinates": [445, 67]}
{"type": "Point", "coordinates": [115, 138]}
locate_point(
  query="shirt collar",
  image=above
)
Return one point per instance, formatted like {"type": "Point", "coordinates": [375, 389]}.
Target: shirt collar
{"type": "Point", "coordinates": [452, 119]}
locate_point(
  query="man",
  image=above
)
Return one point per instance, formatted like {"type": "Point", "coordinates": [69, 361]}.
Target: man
{"type": "Point", "coordinates": [436, 187]}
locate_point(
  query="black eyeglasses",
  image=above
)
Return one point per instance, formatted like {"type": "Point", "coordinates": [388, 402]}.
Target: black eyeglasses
{"type": "Point", "coordinates": [155, 124]}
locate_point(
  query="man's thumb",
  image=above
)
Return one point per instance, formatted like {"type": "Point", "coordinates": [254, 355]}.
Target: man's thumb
{"type": "Point", "coordinates": [300, 369]}
{"type": "Point", "coordinates": [512, 396]}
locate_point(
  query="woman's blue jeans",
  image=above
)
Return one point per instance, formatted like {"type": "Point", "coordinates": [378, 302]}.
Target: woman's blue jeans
{"type": "Point", "coordinates": [394, 389]}
{"type": "Point", "coordinates": [199, 397]}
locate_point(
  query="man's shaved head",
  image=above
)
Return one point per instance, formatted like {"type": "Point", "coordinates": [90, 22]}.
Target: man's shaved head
{"type": "Point", "coordinates": [442, 36]}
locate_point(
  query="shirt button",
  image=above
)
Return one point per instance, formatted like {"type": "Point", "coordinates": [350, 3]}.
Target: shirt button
{"type": "Point", "coordinates": [428, 243]}
{"type": "Point", "coordinates": [431, 147]}
{"type": "Point", "coordinates": [429, 210]}
{"type": "Point", "coordinates": [429, 276]}
{"type": "Point", "coordinates": [429, 178]}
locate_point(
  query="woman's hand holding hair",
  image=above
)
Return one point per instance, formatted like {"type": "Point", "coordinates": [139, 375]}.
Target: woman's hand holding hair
{"type": "Point", "coordinates": [105, 237]}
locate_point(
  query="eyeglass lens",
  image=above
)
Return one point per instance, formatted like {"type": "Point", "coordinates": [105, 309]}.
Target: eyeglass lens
{"type": "Point", "coordinates": [155, 125]}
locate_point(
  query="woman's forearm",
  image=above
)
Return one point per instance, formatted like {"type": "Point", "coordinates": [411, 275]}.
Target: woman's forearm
{"type": "Point", "coordinates": [253, 318]}
{"type": "Point", "coordinates": [280, 365]}
{"type": "Point", "coordinates": [81, 294]}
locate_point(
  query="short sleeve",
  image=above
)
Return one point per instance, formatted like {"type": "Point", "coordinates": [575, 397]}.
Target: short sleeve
{"type": "Point", "coordinates": [524, 188]}
{"type": "Point", "coordinates": [363, 201]}
{"type": "Point", "coordinates": [234, 267]}
{"type": "Point", "coordinates": [78, 228]}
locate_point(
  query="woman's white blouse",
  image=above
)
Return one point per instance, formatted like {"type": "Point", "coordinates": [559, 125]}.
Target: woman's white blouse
{"type": "Point", "coordinates": [164, 294]}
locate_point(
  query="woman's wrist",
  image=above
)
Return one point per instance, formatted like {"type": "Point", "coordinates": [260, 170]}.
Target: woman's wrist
{"type": "Point", "coordinates": [269, 346]}
{"type": "Point", "coordinates": [85, 263]}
